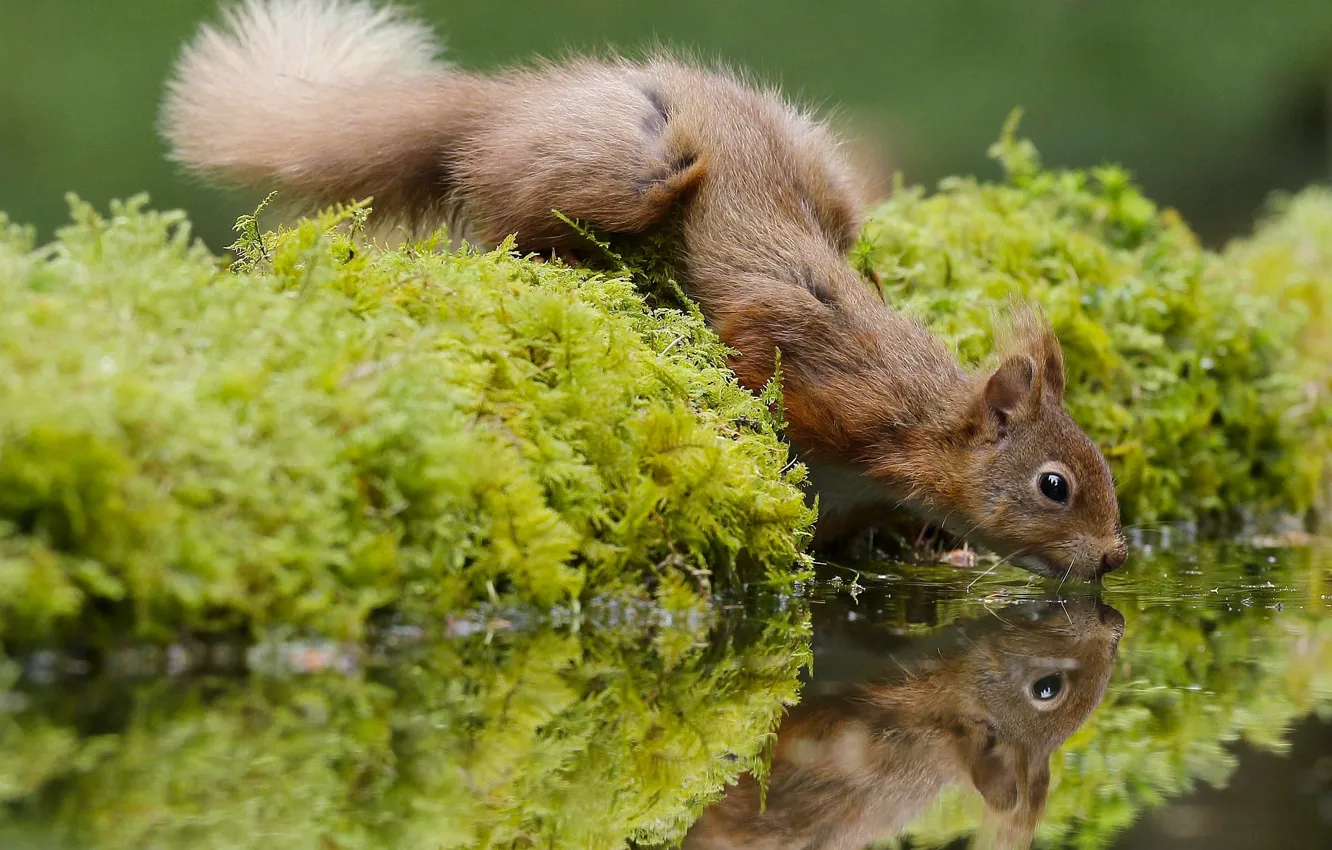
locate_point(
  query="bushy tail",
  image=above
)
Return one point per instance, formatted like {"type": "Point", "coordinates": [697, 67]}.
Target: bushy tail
{"type": "Point", "coordinates": [331, 99]}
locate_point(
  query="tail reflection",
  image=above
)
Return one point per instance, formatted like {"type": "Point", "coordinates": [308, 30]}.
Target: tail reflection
{"type": "Point", "coordinates": [983, 702]}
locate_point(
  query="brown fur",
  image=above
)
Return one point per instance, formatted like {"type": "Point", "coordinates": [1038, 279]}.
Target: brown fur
{"type": "Point", "coordinates": [856, 762]}
{"type": "Point", "coordinates": [307, 94]}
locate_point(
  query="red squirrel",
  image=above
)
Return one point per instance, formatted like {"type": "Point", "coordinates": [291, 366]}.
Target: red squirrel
{"type": "Point", "coordinates": [886, 725]}
{"type": "Point", "coordinates": [340, 100]}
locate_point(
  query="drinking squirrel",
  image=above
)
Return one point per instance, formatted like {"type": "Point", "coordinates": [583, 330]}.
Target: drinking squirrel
{"type": "Point", "coordinates": [339, 100]}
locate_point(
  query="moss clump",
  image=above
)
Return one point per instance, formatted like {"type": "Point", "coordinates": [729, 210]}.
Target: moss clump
{"type": "Point", "coordinates": [331, 429]}
{"type": "Point", "coordinates": [1188, 376]}
{"type": "Point", "coordinates": [1289, 260]}
{"type": "Point", "coordinates": [1290, 257]}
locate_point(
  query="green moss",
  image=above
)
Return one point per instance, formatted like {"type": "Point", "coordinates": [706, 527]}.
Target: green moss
{"type": "Point", "coordinates": [1190, 377]}
{"type": "Point", "coordinates": [553, 737]}
{"type": "Point", "coordinates": [1289, 260]}
{"type": "Point", "coordinates": [330, 429]}
{"type": "Point", "coordinates": [1290, 257]}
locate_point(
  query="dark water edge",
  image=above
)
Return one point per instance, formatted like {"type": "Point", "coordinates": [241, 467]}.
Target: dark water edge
{"type": "Point", "coordinates": [1182, 712]}
{"type": "Point", "coordinates": [1272, 800]}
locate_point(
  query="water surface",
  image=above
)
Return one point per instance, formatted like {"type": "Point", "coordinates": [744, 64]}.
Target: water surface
{"type": "Point", "coordinates": [1177, 706]}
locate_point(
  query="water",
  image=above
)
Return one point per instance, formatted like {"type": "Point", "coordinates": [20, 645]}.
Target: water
{"type": "Point", "coordinates": [1180, 707]}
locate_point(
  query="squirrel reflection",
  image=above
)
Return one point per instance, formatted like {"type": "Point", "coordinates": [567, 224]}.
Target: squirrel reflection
{"type": "Point", "coordinates": [983, 703]}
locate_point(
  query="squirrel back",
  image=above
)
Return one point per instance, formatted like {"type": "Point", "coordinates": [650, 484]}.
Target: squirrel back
{"type": "Point", "coordinates": [338, 100]}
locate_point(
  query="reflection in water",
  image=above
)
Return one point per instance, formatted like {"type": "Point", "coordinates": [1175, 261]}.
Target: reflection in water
{"type": "Point", "coordinates": [927, 684]}
{"type": "Point", "coordinates": [546, 736]}
{"type": "Point", "coordinates": [984, 702]}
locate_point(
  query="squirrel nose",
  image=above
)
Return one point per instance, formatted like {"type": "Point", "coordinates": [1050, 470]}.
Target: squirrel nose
{"type": "Point", "coordinates": [1111, 561]}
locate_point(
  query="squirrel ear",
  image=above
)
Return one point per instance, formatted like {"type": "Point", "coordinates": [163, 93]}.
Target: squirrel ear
{"type": "Point", "coordinates": [1038, 787]}
{"type": "Point", "coordinates": [990, 763]}
{"type": "Point", "coordinates": [996, 780]}
{"type": "Point", "coordinates": [1009, 386]}
{"type": "Point", "coordinates": [1027, 333]}
{"type": "Point", "coordinates": [1005, 826]}
{"type": "Point", "coordinates": [1053, 376]}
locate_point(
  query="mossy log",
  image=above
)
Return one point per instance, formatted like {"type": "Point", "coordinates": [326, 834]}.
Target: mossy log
{"type": "Point", "coordinates": [326, 430]}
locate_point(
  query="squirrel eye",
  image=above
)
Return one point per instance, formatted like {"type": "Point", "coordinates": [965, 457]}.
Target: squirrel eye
{"type": "Point", "coordinates": [1054, 487]}
{"type": "Point", "coordinates": [1047, 688]}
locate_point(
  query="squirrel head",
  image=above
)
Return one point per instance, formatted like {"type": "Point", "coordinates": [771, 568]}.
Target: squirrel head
{"type": "Point", "coordinates": [885, 724]}
{"type": "Point", "coordinates": [1034, 682]}
{"type": "Point", "coordinates": [1038, 490]}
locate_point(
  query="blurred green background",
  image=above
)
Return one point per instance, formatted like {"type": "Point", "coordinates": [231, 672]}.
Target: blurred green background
{"type": "Point", "coordinates": [1212, 104]}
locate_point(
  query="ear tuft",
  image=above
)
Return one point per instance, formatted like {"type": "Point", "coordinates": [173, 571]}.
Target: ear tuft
{"type": "Point", "coordinates": [1053, 374]}
{"type": "Point", "coordinates": [1025, 330]}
